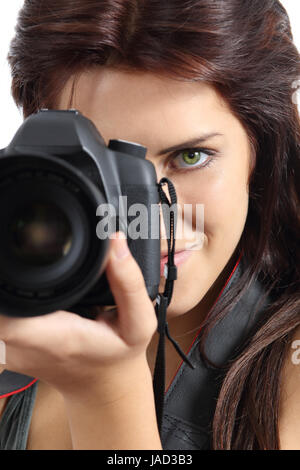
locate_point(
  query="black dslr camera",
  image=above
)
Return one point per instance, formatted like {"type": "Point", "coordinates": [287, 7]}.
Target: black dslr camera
{"type": "Point", "coordinates": [54, 176]}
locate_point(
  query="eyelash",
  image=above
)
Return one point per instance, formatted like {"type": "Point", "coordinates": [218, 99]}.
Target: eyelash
{"type": "Point", "coordinates": [207, 152]}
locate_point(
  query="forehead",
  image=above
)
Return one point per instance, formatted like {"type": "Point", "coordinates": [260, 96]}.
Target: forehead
{"type": "Point", "coordinates": [135, 104]}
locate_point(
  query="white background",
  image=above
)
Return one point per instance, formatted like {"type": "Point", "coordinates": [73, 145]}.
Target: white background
{"type": "Point", "coordinates": [10, 117]}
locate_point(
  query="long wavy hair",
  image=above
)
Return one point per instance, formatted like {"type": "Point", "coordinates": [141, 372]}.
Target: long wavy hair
{"type": "Point", "coordinates": [244, 49]}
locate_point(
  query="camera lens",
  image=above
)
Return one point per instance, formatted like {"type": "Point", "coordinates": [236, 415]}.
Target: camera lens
{"type": "Point", "coordinates": [49, 250]}
{"type": "Point", "coordinates": [40, 234]}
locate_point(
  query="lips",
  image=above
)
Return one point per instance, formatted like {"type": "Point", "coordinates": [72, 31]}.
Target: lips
{"type": "Point", "coordinates": [188, 247]}
{"type": "Point", "coordinates": [179, 258]}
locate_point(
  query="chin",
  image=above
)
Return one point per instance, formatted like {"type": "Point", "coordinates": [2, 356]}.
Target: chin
{"type": "Point", "coordinates": [183, 300]}
{"type": "Point", "coordinates": [186, 296]}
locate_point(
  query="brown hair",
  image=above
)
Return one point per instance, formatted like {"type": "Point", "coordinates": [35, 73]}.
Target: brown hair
{"type": "Point", "coordinates": [245, 50]}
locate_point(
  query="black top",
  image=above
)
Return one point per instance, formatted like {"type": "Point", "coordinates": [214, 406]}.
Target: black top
{"type": "Point", "coordinates": [191, 399]}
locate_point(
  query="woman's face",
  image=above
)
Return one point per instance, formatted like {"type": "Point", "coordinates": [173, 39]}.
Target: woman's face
{"type": "Point", "coordinates": [213, 172]}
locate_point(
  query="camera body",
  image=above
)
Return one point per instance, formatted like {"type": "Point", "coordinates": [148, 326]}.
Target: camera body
{"type": "Point", "coordinates": [54, 176]}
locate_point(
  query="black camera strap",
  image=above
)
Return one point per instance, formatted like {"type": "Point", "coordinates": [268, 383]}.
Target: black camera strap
{"type": "Point", "coordinates": [163, 301]}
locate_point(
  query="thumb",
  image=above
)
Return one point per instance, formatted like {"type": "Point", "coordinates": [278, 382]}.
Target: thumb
{"type": "Point", "coordinates": [136, 315]}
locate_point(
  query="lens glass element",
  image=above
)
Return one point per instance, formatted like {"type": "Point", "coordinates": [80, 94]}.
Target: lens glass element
{"type": "Point", "coordinates": [41, 234]}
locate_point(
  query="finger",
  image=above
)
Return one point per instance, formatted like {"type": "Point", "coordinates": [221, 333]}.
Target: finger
{"type": "Point", "coordinates": [137, 319]}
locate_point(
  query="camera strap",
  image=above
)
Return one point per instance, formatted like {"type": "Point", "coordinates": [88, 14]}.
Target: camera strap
{"type": "Point", "coordinates": [163, 300]}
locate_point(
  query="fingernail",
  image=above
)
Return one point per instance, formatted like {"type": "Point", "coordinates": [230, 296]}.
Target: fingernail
{"type": "Point", "coordinates": [120, 248]}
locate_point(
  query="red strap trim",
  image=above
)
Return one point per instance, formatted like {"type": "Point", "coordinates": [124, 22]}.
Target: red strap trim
{"type": "Point", "coordinates": [197, 334]}
{"type": "Point", "coordinates": [19, 390]}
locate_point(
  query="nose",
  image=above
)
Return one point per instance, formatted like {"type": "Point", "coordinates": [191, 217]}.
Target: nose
{"type": "Point", "coordinates": [158, 164]}
{"type": "Point", "coordinates": [160, 173]}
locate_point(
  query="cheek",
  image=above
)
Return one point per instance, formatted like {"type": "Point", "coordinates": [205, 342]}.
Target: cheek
{"type": "Point", "coordinates": [224, 194]}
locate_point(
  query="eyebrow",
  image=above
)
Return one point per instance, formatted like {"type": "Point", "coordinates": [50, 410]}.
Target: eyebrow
{"type": "Point", "coordinates": [190, 143]}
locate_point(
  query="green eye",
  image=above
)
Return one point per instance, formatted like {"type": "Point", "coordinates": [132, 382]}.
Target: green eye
{"type": "Point", "coordinates": [191, 157]}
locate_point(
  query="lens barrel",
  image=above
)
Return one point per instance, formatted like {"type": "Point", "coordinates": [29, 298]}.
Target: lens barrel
{"type": "Point", "coordinates": [50, 256]}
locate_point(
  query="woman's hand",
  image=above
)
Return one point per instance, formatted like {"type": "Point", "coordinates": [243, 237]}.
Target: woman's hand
{"type": "Point", "coordinates": [68, 351]}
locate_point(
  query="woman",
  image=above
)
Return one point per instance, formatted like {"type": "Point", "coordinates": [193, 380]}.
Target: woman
{"type": "Point", "coordinates": [208, 87]}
